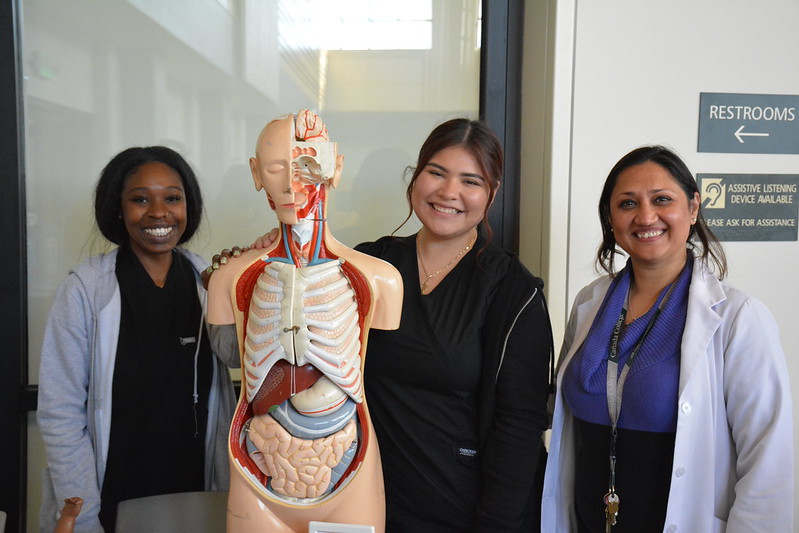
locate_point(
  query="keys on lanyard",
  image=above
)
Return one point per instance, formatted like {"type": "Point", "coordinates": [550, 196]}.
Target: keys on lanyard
{"type": "Point", "coordinates": [611, 500]}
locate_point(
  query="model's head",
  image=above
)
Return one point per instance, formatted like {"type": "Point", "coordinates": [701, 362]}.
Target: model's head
{"type": "Point", "coordinates": [650, 207]}
{"type": "Point", "coordinates": [294, 161]}
{"type": "Point", "coordinates": [159, 172]}
{"type": "Point", "coordinates": [462, 148]}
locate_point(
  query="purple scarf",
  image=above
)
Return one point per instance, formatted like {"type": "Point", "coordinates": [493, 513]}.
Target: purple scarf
{"type": "Point", "coordinates": [650, 392]}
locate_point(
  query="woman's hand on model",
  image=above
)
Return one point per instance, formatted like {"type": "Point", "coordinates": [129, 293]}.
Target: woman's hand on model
{"type": "Point", "coordinates": [266, 239]}
{"type": "Point", "coordinates": [222, 257]}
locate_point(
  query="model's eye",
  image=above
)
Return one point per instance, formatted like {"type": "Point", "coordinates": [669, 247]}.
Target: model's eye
{"type": "Point", "coordinates": [626, 204]}
{"type": "Point", "coordinates": [139, 199]}
{"type": "Point", "coordinates": [275, 168]}
{"type": "Point", "coordinates": [661, 200]}
{"type": "Point", "coordinates": [174, 199]}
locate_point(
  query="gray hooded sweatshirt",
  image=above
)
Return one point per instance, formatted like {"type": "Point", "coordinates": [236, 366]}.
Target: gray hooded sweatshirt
{"type": "Point", "coordinates": [75, 391]}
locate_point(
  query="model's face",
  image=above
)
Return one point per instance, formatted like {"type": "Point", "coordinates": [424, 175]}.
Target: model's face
{"type": "Point", "coordinates": [154, 210]}
{"type": "Point", "coordinates": [450, 195]}
{"type": "Point", "coordinates": [290, 171]}
{"type": "Point", "coordinates": [651, 216]}
{"type": "Point", "coordinates": [271, 170]}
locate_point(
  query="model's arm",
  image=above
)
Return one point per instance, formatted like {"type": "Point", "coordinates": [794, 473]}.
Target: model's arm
{"type": "Point", "coordinates": [62, 405]}
{"type": "Point", "coordinates": [758, 400]}
{"type": "Point", "coordinates": [387, 291]}
{"type": "Point", "coordinates": [511, 454]}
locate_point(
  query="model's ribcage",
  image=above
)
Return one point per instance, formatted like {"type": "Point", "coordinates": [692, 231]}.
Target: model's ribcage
{"type": "Point", "coordinates": [304, 315]}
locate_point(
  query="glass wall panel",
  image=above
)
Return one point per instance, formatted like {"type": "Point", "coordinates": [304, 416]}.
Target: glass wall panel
{"type": "Point", "coordinates": [203, 77]}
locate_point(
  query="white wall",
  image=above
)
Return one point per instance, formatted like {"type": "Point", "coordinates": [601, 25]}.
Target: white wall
{"type": "Point", "coordinates": [622, 73]}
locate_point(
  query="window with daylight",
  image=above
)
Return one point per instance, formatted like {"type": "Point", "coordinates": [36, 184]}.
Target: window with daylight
{"type": "Point", "coordinates": [373, 24]}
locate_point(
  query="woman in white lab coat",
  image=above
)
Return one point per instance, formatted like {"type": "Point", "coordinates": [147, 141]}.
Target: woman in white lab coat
{"type": "Point", "coordinates": [673, 410]}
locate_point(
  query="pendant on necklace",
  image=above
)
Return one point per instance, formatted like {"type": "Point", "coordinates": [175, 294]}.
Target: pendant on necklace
{"type": "Point", "coordinates": [442, 269]}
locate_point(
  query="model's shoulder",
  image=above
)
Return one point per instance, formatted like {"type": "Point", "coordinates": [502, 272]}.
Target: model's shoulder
{"type": "Point", "coordinates": [235, 267]}
{"type": "Point", "coordinates": [374, 266]}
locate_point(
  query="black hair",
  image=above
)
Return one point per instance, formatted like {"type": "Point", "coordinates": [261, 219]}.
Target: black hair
{"type": "Point", "coordinates": [108, 193]}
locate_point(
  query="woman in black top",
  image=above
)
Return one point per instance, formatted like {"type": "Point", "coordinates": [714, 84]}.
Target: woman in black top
{"type": "Point", "coordinates": [458, 393]}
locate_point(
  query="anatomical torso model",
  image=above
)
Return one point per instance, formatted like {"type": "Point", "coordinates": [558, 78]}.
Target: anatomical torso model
{"type": "Point", "coordinates": [302, 447]}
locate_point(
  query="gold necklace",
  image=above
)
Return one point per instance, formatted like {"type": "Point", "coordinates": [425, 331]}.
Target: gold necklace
{"type": "Point", "coordinates": [442, 269]}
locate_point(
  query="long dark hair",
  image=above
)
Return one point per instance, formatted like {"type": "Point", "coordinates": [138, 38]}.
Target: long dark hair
{"type": "Point", "coordinates": [701, 240]}
{"type": "Point", "coordinates": [476, 137]}
{"type": "Point", "coordinates": [108, 193]}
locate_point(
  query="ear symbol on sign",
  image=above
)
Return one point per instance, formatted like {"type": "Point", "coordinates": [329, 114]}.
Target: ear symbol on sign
{"type": "Point", "coordinates": [713, 193]}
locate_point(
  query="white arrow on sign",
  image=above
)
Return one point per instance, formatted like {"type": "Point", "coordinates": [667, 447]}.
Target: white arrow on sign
{"type": "Point", "coordinates": [739, 134]}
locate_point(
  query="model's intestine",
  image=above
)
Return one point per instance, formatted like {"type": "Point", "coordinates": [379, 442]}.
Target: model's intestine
{"type": "Point", "coordinates": [298, 468]}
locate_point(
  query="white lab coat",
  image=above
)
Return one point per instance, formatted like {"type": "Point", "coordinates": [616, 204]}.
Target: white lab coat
{"type": "Point", "coordinates": [733, 456]}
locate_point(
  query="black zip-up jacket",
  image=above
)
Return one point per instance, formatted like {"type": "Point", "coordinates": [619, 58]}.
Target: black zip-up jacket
{"type": "Point", "coordinates": [515, 377]}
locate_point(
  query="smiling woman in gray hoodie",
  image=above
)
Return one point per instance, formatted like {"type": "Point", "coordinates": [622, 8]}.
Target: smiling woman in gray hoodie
{"type": "Point", "coordinates": [132, 401]}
